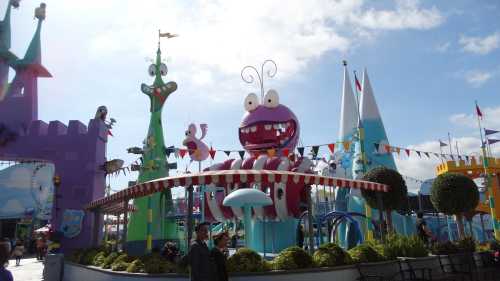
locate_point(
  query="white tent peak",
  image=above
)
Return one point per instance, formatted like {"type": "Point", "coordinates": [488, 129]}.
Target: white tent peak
{"type": "Point", "coordinates": [369, 108]}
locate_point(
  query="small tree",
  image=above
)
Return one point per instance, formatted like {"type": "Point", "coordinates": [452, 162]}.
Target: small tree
{"type": "Point", "coordinates": [454, 194]}
{"type": "Point", "coordinates": [394, 199]}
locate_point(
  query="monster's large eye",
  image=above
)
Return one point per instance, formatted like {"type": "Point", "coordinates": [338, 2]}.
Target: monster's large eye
{"type": "Point", "coordinates": [251, 102]}
{"type": "Point", "coordinates": [163, 69]}
{"type": "Point", "coordinates": [152, 70]}
{"type": "Point", "coordinates": [271, 99]}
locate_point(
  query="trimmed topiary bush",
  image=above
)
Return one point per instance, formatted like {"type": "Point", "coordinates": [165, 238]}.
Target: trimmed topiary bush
{"type": "Point", "coordinates": [403, 246]}
{"type": "Point", "coordinates": [119, 266]}
{"type": "Point", "coordinates": [454, 194]}
{"type": "Point", "coordinates": [109, 260]}
{"type": "Point", "coordinates": [99, 258]}
{"type": "Point", "coordinates": [293, 258]}
{"type": "Point", "coordinates": [330, 254]}
{"type": "Point", "coordinates": [136, 266]}
{"type": "Point", "coordinates": [365, 253]}
{"type": "Point", "coordinates": [245, 260]}
{"type": "Point", "coordinates": [394, 199]}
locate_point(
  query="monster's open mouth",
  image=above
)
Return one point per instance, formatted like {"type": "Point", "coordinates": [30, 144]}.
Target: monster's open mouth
{"type": "Point", "coordinates": [267, 134]}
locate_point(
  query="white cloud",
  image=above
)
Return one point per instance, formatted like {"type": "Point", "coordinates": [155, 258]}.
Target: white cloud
{"type": "Point", "coordinates": [480, 45]}
{"type": "Point", "coordinates": [407, 15]}
{"type": "Point", "coordinates": [491, 118]}
{"type": "Point", "coordinates": [477, 78]}
{"type": "Point", "coordinates": [443, 47]}
{"type": "Point", "coordinates": [12, 206]}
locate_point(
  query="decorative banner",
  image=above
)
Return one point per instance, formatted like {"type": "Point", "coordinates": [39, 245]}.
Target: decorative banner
{"type": "Point", "coordinates": [315, 150]}
{"type": "Point", "coordinates": [398, 150]}
{"type": "Point", "coordinates": [241, 153]}
{"type": "Point", "coordinates": [212, 153]}
{"type": "Point", "coordinates": [347, 145]}
{"type": "Point", "coordinates": [427, 154]}
{"type": "Point", "coordinates": [418, 153]}
{"type": "Point", "coordinates": [301, 151]}
{"type": "Point", "coordinates": [488, 132]}
{"type": "Point", "coordinates": [377, 145]}
{"type": "Point", "coordinates": [466, 158]}
{"type": "Point", "coordinates": [407, 152]}
{"type": "Point", "coordinates": [227, 152]}
{"type": "Point", "coordinates": [182, 152]}
{"type": "Point", "coordinates": [71, 224]}
{"type": "Point", "coordinates": [331, 146]}
{"type": "Point", "coordinates": [387, 148]}
{"type": "Point", "coordinates": [492, 141]}
{"type": "Point", "coordinates": [286, 152]}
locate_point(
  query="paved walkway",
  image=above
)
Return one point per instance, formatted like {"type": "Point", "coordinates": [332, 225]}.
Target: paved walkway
{"type": "Point", "coordinates": [29, 270]}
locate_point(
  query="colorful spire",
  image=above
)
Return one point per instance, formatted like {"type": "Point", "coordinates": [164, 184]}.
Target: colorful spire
{"type": "Point", "coordinates": [33, 57]}
{"type": "Point", "coordinates": [5, 30]}
{"type": "Point", "coordinates": [374, 131]}
{"type": "Point", "coordinates": [348, 110]}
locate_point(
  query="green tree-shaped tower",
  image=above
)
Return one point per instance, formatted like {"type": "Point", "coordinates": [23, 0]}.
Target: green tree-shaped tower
{"type": "Point", "coordinates": [148, 223]}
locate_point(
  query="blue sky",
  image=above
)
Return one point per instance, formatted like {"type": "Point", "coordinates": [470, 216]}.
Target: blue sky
{"type": "Point", "coordinates": [427, 60]}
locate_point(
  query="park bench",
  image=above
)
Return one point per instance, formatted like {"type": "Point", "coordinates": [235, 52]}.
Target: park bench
{"type": "Point", "coordinates": [468, 266]}
{"type": "Point", "coordinates": [384, 271]}
{"type": "Point", "coordinates": [486, 266]}
{"type": "Point", "coordinates": [431, 269]}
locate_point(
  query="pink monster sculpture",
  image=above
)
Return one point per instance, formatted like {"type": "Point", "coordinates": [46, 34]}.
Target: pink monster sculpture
{"type": "Point", "coordinates": [198, 150]}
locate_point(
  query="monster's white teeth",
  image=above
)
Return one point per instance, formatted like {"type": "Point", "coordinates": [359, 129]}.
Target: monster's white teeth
{"type": "Point", "coordinates": [253, 129]}
{"type": "Point", "coordinates": [268, 127]}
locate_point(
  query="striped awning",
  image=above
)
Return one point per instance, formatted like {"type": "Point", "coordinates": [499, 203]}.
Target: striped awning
{"type": "Point", "coordinates": [225, 177]}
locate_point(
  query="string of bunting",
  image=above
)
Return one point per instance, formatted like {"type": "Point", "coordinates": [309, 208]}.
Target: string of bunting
{"type": "Point", "coordinates": [332, 147]}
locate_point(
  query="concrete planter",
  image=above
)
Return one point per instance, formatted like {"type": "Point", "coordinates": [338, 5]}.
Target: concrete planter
{"type": "Point", "coordinates": [77, 272]}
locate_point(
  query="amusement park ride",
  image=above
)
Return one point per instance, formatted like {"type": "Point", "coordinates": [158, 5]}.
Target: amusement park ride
{"type": "Point", "coordinates": [269, 133]}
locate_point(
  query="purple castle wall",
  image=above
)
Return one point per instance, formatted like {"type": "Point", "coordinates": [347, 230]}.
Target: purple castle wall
{"type": "Point", "coordinates": [78, 154]}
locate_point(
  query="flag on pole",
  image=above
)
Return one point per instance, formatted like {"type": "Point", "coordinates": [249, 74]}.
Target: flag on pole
{"type": "Point", "coordinates": [441, 144]}
{"type": "Point", "coordinates": [492, 141]}
{"type": "Point", "coordinates": [478, 111]}
{"type": "Point", "coordinates": [356, 81]}
{"type": "Point", "coordinates": [488, 132]}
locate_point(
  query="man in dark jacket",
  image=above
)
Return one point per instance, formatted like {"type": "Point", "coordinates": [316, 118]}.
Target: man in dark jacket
{"type": "Point", "coordinates": [199, 255]}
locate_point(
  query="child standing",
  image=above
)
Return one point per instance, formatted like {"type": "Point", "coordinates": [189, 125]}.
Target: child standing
{"type": "Point", "coordinates": [4, 259]}
{"type": "Point", "coordinates": [18, 252]}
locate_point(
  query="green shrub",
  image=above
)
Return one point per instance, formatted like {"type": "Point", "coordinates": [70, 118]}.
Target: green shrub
{"type": "Point", "coordinates": [109, 260]}
{"type": "Point", "coordinates": [99, 258]}
{"type": "Point", "coordinates": [396, 246]}
{"type": "Point", "coordinates": [365, 253]}
{"type": "Point", "coordinates": [293, 258]}
{"type": "Point", "coordinates": [245, 260]}
{"type": "Point", "coordinates": [155, 263]}
{"type": "Point", "coordinates": [330, 254]}
{"type": "Point", "coordinates": [76, 255]}
{"type": "Point", "coordinates": [135, 266]}
{"type": "Point", "coordinates": [267, 265]}
{"type": "Point", "coordinates": [444, 248]}
{"type": "Point", "coordinates": [466, 245]}
{"type": "Point", "coordinates": [119, 266]}
{"type": "Point", "coordinates": [88, 256]}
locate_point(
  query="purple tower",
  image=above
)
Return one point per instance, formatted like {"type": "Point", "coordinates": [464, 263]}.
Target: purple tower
{"type": "Point", "coordinates": [77, 151]}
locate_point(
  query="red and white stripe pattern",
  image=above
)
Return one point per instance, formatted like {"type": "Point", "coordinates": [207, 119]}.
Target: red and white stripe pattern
{"type": "Point", "coordinates": [223, 177]}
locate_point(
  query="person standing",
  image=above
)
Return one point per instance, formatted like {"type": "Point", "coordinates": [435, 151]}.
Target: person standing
{"type": "Point", "coordinates": [219, 256]}
{"type": "Point", "coordinates": [423, 231]}
{"type": "Point", "coordinates": [5, 275]}
{"type": "Point", "coordinates": [39, 248]}
{"type": "Point", "coordinates": [199, 255]}
{"type": "Point", "coordinates": [18, 252]}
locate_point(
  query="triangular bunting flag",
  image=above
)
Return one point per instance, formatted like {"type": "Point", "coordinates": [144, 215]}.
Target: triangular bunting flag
{"type": "Point", "coordinates": [182, 152]}
{"type": "Point", "coordinates": [347, 145]}
{"type": "Point", "coordinates": [241, 153]}
{"type": "Point", "coordinates": [452, 158]}
{"type": "Point", "coordinates": [176, 152]}
{"type": "Point", "coordinates": [459, 157]}
{"type": "Point", "coordinates": [398, 150]}
{"type": "Point", "coordinates": [490, 132]}
{"type": "Point", "coordinates": [427, 154]}
{"type": "Point", "coordinates": [315, 150]}
{"type": "Point", "coordinates": [407, 152]}
{"type": "Point", "coordinates": [285, 152]}
{"type": "Point", "coordinates": [466, 158]}
{"type": "Point", "coordinates": [271, 152]}
{"type": "Point", "coordinates": [419, 154]}
{"type": "Point", "coordinates": [331, 146]}
{"type": "Point", "coordinates": [492, 141]}
{"type": "Point", "coordinates": [377, 145]}
{"type": "Point", "coordinates": [227, 152]}
{"type": "Point", "coordinates": [443, 156]}
{"type": "Point", "coordinates": [301, 151]}
{"type": "Point", "coordinates": [387, 148]}
{"type": "Point", "coordinates": [212, 153]}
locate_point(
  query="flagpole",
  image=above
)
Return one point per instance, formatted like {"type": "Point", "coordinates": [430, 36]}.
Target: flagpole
{"type": "Point", "coordinates": [441, 152]}
{"type": "Point", "coordinates": [449, 141]}
{"type": "Point", "coordinates": [458, 153]}
{"type": "Point", "coordinates": [491, 198]}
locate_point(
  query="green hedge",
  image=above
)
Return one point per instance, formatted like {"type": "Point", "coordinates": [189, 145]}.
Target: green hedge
{"type": "Point", "coordinates": [365, 253]}
{"type": "Point", "coordinates": [330, 254]}
{"type": "Point", "coordinates": [396, 246]}
{"type": "Point", "coordinates": [245, 260]}
{"type": "Point", "coordinates": [293, 258]}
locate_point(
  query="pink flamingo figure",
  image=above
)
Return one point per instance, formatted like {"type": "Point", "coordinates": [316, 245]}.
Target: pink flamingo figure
{"type": "Point", "coordinates": [198, 150]}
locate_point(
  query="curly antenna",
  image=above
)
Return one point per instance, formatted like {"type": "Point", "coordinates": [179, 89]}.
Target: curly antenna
{"type": "Point", "coordinates": [249, 77]}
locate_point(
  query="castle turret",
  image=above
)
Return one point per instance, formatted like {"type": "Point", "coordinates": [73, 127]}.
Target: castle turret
{"type": "Point", "coordinates": [20, 105]}
{"type": "Point", "coordinates": [6, 57]}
